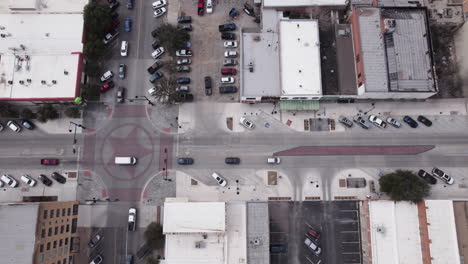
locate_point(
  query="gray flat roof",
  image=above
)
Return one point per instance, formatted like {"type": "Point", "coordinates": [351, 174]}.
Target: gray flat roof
{"type": "Point", "coordinates": [18, 232]}
{"type": "Point", "coordinates": [345, 60]}
{"type": "Point", "coordinates": [260, 49]}
{"type": "Point", "coordinates": [258, 230]}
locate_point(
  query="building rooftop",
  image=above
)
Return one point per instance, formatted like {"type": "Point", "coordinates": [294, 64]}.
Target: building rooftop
{"type": "Point", "coordinates": [258, 233]}
{"type": "Point", "coordinates": [300, 58]}
{"type": "Point", "coordinates": [194, 217]}
{"type": "Point", "coordinates": [292, 3]}
{"type": "Point", "coordinates": [43, 6]}
{"type": "Point", "coordinates": [345, 60]}
{"type": "Point", "coordinates": [18, 232]}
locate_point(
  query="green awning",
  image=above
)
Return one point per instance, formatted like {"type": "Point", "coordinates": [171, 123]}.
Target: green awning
{"type": "Point", "coordinates": [298, 105]}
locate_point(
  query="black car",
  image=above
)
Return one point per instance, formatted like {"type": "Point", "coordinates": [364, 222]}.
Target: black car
{"type": "Point", "coordinates": [183, 80]}
{"type": "Point", "coordinates": [424, 120]}
{"type": "Point", "coordinates": [410, 121]}
{"type": "Point", "coordinates": [143, 251]}
{"type": "Point", "coordinates": [27, 124]}
{"type": "Point", "coordinates": [45, 180]}
{"type": "Point", "coordinates": [153, 68]}
{"type": "Point", "coordinates": [184, 97]}
{"type": "Point", "coordinates": [227, 27]}
{"type": "Point", "coordinates": [232, 160]}
{"type": "Point", "coordinates": [156, 44]}
{"type": "Point", "coordinates": [114, 5]}
{"type": "Point", "coordinates": [183, 68]}
{"type": "Point", "coordinates": [228, 36]}
{"type": "Point", "coordinates": [208, 90]}
{"type": "Point", "coordinates": [185, 161]}
{"type": "Point", "coordinates": [154, 33]}
{"type": "Point", "coordinates": [227, 89]}
{"type": "Point", "coordinates": [427, 177]}
{"type": "Point", "coordinates": [59, 178]}
{"type": "Point", "coordinates": [184, 19]}
{"type": "Point", "coordinates": [130, 4]}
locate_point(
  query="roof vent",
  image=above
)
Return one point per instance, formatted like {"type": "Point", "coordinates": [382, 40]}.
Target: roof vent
{"type": "Point", "coordinates": [29, 80]}
{"type": "Point", "coordinates": [43, 82]}
{"type": "Point", "coordinates": [21, 82]}
{"type": "Point", "coordinates": [10, 82]}
{"type": "Point", "coordinates": [54, 81]}
{"type": "Point", "coordinates": [65, 72]}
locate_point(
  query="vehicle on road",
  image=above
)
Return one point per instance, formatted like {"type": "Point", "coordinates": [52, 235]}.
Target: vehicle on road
{"type": "Point", "coordinates": [95, 240]}
{"type": "Point", "coordinates": [345, 121]}
{"type": "Point", "coordinates": [208, 89]}
{"type": "Point", "coordinates": [221, 181]}
{"type": "Point", "coordinates": [230, 54]}
{"type": "Point", "coordinates": [278, 248]}
{"type": "Point", "coordinates": [183, 68]}
{"type": "Point", "coordinates": [130, 4]}
{"type": "Point", "coordinates": [184, 61]}
{"type": "Point", "coordinates": [183, 80]}
{"type": "Point", "coordinates": [27, 124]}
{"type": "Point", "coordinates": [361, 122]}
{"type": "Point", "coordinates": [157, 52]}
{"type": "Point", "coordinates": [312, 246]}
{"type": "Point", "coordinates": [106, 87]}
{"type": "Point", "coordinates": [209, 6]}
{"type": "Point", "coordinates": [227, 89]}
{"type": "Point", "coordinates": [159, 4]}
{"type": "Point", "coordinates": [131, 219]}
{"type": "Point", "coordinates": [159, 12]}
{"type": "Point", "coordinates": [424, 120]}
{"type": "Point", "coordinates": [143, 251]}
{"type": "Point", "coordinates": [125, 160]}
{"type": "Point", "coordinates": [393, 122]}
{"type": "Point", "coordinates": [230, 44]}
{"type": "Point", "coordinates": [410, 121]}
{"type": "Point", "coordinates": [229, 62]}
{"type": "Point", "coordinates": [228, 71]}
{"type": "Point", "coordinates": [106, 76]}
{"type": "Point", "coordinates": [228, 36]}
{"type": "Point", "coordinates": [232, 160]}
{"type": "Point", "coordinates": [227, 27]}
{"type": "Point", "coordinates": [246, 123]}
{"type": "Point", "coordinates": [120, 95]}
{"type": "Point", "coordinates": [156, 76]}
{"type": "Point", "coordinates": [28, 180]}
{"type": "Point", "coordinates": [96, 260]}
{"type": "Point", "coordinates": [124, 49]}
{"type": "Point", "coordinates": [9, 180]}
{"type": "Point", "coordinates": [13, 126]}
{"type": "Point", "coordinates": [442, 175]}
{"type": "Point", "coordinates": [183, 53]}
{"type": "Point", "coordinates": [122, 71]}
{"type": "Point", "coordinates": [58, 177]}
{"type": "Point", "coordinates": [184, 19]}
{"type": "Point", "coordinates": [227, 80]}
{"type": "Point", "coordinates": [314, 234]}
{"type": "Point", "coordinates": [45, 180]}
{"type": "Point", "coordinates": [427, 177]}
{"type": "Point", "coordinates": [128, 24]}
{"type": "Point", "coordinates": [110, 36]}
{"type": "Point", "coordinates": [273, 160]}
{"type": "Point", "coordinates": [377, 121]}
{"type": "Point", "coordinates": [185, 161]}
{"type": "Point", "coordinates": [49, 161]}
{"type": "Point", "coordinates": [153, 68]}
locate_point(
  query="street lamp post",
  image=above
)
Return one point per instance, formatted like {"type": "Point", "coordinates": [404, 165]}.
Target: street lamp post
{"type": "Point", "coordinates": [74, 134]}
{"type": "Point", "coordinates": [144, 98]}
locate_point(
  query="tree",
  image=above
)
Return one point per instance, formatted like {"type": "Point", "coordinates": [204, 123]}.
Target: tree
{"type": "Point", "coordinates": [97, 17]}
{"type": "Point", "coordinates": [171, 66]}
{"type": "Point", "coordinates": [90, 92]}
{"type": "Point", "coordinates": [172, 38]}
{"type": "Point", "coordinates": [72, 112]}
{"type": "Point", "coordinates": [154, 236]}
{"type": "Point", "coordinates": [152, 260]}
{"type": "Point", "coordinates": [93, 69]}
{"type": "Point", "coordinates": [46, 112]}
{"type": "Point", "coordinates": [94, 48]}
{"type": "Point", "coordinates": [165, 91]}
{"type": "Point", "coordinates": [8, 110]}
{"type": "Point", "coordinates": [404, 185]}
{"type": "Point", "coordinates": [26, 113]}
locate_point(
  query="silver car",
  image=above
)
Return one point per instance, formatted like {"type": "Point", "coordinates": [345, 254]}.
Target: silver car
{"type": "Point", "coordinates": [393, 122]}
{"type": "Point", "coordinates": [345, 121]}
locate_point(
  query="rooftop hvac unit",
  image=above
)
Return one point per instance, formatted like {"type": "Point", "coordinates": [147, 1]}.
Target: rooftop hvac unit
{"type": "Point", "coordinates": [10, 82]}
{"type": "Point", "coordinates": [43, 82]}
{"type": "Point", "coordinates": [21, 82]}
{"type": "Point", "coordinates": [29, 80]}
{"type": "Point", "coordinates": [54, 81]}
{"type": "Point", "coordinates": [256, 242]}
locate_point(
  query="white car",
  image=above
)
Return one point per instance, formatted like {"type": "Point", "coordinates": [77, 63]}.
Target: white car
{"type": "Point", "coordinates": [230, 44]}
{"type": "Point", "coordinates": [221, 181]}
{"type": "Point", "coordinates": [230, 54]}
{"type": "Point", "coordinates": [246, 123]}
{"type": "Point", "coordinates": [106, 76]}
{"type": "Point", "coordinates": [124, 49]}
{"type": "Point", "coordinates": [152, 91]}
{"type": "Point", "coordinates": [209, 7]}
{"type": "Point", "coordinates": [157, 53]}
{"type": "Point", "coordinates": [13, 126]}
{"type": "Point", "coordinates": [377, 121]}
{"type": "Point", "coordinates": [227, 80]}
{"type": "Point", "coordinates": [183, 53]}
{"type": "Point", "coordinates": [184, 61]}
{"type": "Point", "coordinates": [9, 180]}
{"type": "Point", "coordinates": [439, 173]}
{"type": "Point", "coordinates": [28, 180]}
{"type": "Point", "coordinates": [131, 219]}
{"type": "Point", "coordinates": [159, 12]}
{"type": "Point", "coordinates": [274, 160]}
{"type": "Point", "coordinates": [310, 244]}
{"type": "Point", "coordinates": [159, 4]}
{"type": "Point", "coordinates": [393, 122]}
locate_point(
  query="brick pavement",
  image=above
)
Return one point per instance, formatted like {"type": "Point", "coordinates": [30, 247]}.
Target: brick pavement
{"type": "Point", "coordinates": [424, 233]}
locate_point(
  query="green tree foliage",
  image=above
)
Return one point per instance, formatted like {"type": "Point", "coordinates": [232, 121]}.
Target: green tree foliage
{"type": "Point", "coordinates": [172, 38]}
{"type": "Point", "coordinates": [26, 113]}
{"type": "Point", "coordinates": [153, 236]}
{"type": "Point", "coordinates": [90, 92]}
{"type": "Point", "coordinates": [152, 260]}
{"type": "Point", "coordinates": [72, 112]}
{"type": "Point", "coordinates": [404, 185]}
{"type": "Point", "coordinates": [46, 112]}
{"type": "Point", "coordinates": [165, 91]}
{"type": "Point", "coordinates": [8, 110]}
{"type": "Point", "coordinates": [97, 17]}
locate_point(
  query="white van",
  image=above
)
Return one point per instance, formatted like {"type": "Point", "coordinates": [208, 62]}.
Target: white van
{"type": "Point", "coordinates": [274, 160]}
{"type": "Point", "coordinates": [125, 160]}
{"type": "Point", "coordinates": [124, 49]}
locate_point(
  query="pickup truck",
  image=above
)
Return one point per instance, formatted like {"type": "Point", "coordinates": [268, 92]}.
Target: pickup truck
{"type": "Point", "coordinates": [131, 219]}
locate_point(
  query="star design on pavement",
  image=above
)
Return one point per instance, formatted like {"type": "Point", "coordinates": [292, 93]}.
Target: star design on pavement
{"type": "Point", "coordinates": [129, 146]}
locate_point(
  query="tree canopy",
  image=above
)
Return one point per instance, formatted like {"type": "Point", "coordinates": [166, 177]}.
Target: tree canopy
{"type": "Point", "coordinates": [154, 236]}
{"type": "Point", "coordinates": [166, 91]}
{"type": "Point", "coordinates": [171, 37]}
{"type": "Point", "coordinates": [404, 185]}
{"type": "Point", "coordinates": [97, 17]}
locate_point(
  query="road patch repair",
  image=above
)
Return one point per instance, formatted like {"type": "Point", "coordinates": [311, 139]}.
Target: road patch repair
{"type": "Point", "coordinates": [355, 150]}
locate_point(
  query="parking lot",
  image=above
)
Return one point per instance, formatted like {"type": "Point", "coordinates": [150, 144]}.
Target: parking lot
{"type": "Point", "coordinates": [336, 221]}
{"type": "Point", "coordinates": [208, 49]}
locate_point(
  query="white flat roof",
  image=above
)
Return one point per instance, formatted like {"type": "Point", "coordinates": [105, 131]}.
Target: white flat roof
{"type": "Point", "coordinates": [194, 217]}
{"type": "Point", "coordinates": [32, 57]}
{"type": "Point", "coordinates": [442, 232]}
{"type": "Point", "coordinates": [291, 3]}
{"type": "Point", "coordinates": [399, 241]}
{"type": "Point", "coordinates": [300, 58]}
{"type": "Point", "coordinates": [43, 6]}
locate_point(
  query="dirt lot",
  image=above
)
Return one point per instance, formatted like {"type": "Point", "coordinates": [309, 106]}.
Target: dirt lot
{"type": "Point", "coordinates": [208, 48]}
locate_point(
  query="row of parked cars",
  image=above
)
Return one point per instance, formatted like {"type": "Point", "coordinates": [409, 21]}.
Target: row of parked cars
{"type": "Point", "coordinates": [15, 127]}
{"type": "Point", "coordinates": [375, 120]}
{"type": "Point", "coordinates": [30, 181]}
{"type": "Point", "coordinates": [436, 172]}
{"type": "Point", "coordinates": [229, 54]}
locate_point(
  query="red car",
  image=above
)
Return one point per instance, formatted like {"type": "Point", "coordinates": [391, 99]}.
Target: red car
{"type": "Point", "coordinates": [201, 7]}
{"type": "Point", "coordinates": [314, 234]}
{"type": "Point", "coordinates": [106, 87]}
{"type": "Point", "coordinates": [49, 161]}
{"type": "Point", "coordinates": [228, 71]}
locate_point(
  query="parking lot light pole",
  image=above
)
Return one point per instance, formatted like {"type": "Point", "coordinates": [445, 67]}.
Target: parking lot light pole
{"type": "Point", "coordinates": [74, 134]}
